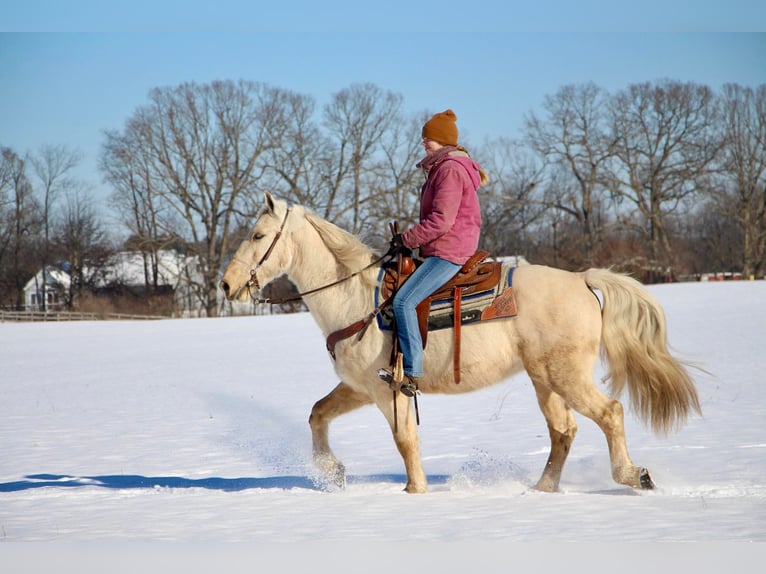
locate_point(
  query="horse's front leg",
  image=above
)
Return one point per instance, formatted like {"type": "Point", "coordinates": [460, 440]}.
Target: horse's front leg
{"type": "Point", "coordinates": [341, 400]}
{"type": "Point", "coordinates": [404, 428]}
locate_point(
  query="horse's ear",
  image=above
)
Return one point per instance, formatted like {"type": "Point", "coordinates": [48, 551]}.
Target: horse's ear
{"type": "Point", "coordinates": [269, 201]}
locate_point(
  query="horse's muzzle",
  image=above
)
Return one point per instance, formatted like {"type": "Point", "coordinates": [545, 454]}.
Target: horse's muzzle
{"type": "Point", "coordinates": [232, 295]}
{"type": "Point", "coordinates": [226, 289]}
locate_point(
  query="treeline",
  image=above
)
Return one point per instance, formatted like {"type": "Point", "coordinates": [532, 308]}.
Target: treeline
{"type": "Point", "coordinates": [659, 179]}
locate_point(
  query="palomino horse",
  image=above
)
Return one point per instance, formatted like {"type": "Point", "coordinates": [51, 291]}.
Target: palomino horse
{"type": "Point", "coordinates": [556, 338]}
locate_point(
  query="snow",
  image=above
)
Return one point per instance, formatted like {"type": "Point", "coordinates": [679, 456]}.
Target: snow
{"type": "Point", "coordinates": [189, 439]}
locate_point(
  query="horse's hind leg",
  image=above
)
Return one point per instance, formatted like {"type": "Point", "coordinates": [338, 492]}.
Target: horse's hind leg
{"type": "Point", "coordinates": [341, 400]}
{"type": "Point", "coordinates": [562, 429]}
{"type": "Point", "coordinates": [583, 396]}
{"type": "Point", "coordinates": [568, 375]}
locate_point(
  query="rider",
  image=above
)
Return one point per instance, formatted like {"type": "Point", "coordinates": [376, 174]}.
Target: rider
{"type": "Point", "coordinates": [447, 235]}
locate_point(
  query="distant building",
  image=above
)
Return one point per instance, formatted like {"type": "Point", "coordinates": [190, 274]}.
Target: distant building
{"type": "Point", "coordinates": [123, 274]}
{"type": "Point", "coordinates": [57, 283]}
{"type": "Point", "coordinates": [512, 260]}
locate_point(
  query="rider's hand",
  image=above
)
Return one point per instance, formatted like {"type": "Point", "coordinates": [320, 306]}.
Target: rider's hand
{"type": "Point", "coordinates": [396, 243]}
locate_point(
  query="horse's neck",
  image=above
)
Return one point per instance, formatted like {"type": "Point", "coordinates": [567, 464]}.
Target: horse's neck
{"type": "Point", "coordinates": [334, 307]}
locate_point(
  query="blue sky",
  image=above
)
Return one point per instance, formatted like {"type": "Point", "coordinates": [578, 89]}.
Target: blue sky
{"type": "Point", "coordinates": [66, 88]}
{"type": "Point", "coordinates": [392, 15]}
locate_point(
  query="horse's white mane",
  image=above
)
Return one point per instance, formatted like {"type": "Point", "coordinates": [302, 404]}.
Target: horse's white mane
{"type": "Point", "coordinates": [348, 250]}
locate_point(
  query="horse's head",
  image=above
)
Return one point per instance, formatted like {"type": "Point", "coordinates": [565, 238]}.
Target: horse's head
{"type": "Point", "coordinates": [262, 256]}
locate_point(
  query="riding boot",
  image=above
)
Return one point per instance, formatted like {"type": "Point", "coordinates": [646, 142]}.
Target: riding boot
{"type": "Point", "coordinates": [409, 386]}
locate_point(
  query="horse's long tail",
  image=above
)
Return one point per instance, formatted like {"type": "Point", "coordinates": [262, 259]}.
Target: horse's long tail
{"type": "Point", "coordinates": [634, 344]}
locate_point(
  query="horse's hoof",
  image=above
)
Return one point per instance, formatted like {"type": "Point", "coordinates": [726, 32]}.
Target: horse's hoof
{"type": "Point", "coordinates": [546, 486]}
{"type": "Point", "coordinates": [332, 473]}
{"type": "Point", "coordinates": [415, 489]}
{"type": "Point", "coordinates": [338, 477]}
{"type": "Point", "coordinates": [645, 479]}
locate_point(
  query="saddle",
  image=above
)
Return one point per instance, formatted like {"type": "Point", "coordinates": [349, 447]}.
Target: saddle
{"type": "Point", "coordinates": [477, 278]}
{"type": "Point", "coordinates": [474, 276]}
{"type": "Point", "coordinates": [485, 287]}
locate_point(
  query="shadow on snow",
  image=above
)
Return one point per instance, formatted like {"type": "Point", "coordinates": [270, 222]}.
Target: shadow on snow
{"type": "Point", "coordinates": [128, 481]}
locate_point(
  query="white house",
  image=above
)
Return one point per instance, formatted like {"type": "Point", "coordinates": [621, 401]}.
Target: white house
{"type": "Point", "coordinates": [175, 272]}
{"type": "Point", "coordinates": [57, 284]}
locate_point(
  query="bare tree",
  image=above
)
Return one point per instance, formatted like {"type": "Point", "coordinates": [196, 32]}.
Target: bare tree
{"type": "Point", "coordinates": [190, 165]}
{"type": "Point", "coordinates": [9, 162]}
{"type": "Point", "coordinates": [357, 120]}
{"type": "Point", "coordinates": [128, 169]}
{"type": "Point", "coordinates": [292, 165]}
{"type": "Point", "coordinates": [52, 166]}
{"type": "Point", "coordinates": [81, 239]}
{"type": "Point", "coordinates": [712, 237]}
{"type": "Point", "coordinates": [741, 189]}
{"type": "Point", "coordinates": [510, 201]}
{"type": "Point", "coordinates": [663, 142]}
{"type": "Point", "coordinates": [395, 182]}
{"type": "Point", "coordinates": [203, 145]}
{"type": "Point", "coordinates": [19, 228]}
{"type": "Point", "coordinates": [572, 138]}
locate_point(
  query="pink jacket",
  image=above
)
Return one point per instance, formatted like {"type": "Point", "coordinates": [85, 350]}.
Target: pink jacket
{"type": "Point", "coordinates": [450, 217]}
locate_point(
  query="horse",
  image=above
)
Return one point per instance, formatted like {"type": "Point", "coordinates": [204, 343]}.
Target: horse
{"type": "Point", "coordinates": [559, 332]}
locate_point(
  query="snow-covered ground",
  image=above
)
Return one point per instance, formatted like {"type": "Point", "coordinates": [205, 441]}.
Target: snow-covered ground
{"type": "Point", "coordinates": [189, 434]}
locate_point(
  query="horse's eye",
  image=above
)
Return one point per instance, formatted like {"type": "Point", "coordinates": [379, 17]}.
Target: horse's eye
{"type": "Point", "coordinates": [257, 236]}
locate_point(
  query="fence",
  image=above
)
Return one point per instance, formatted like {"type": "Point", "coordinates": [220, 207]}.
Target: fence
{"type": "Point", "coordinates": [32, 316]}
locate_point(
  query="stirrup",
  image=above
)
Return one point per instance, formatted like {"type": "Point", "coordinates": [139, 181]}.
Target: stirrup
{"type": "Point", "coordinates": [408, 387]}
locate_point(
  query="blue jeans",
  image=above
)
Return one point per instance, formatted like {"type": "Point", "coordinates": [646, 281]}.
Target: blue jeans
{"type": "Point", "coordinates": [432, 274]}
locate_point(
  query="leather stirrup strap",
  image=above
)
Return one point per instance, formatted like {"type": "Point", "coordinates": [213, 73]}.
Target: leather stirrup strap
{"type": "Point", "coordinates": [456, 325]}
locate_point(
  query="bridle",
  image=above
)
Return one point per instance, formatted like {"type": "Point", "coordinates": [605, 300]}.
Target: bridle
{"type": "Point", "coordinates": [253, 281]}
{"type": "Point", "coordinates": [253, 277]}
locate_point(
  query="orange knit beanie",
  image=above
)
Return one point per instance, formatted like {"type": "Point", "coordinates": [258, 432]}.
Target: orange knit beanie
{"type": "Point", "coordinates": [442, 128]}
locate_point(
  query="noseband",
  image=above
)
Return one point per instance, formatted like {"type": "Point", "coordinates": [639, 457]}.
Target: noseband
{"type": "Point", "coordinates": [253, 282]}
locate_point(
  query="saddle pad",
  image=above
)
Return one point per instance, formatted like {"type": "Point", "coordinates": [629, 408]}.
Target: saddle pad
{"type": "Point", "coordinates": [495, 303]}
